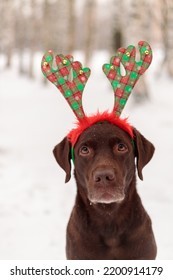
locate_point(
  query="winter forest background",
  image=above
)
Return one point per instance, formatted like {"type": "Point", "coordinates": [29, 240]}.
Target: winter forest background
{"type": "Point", "coordinates": [35, 204]}
{"type": "Point", "coordinates": [88, 25]}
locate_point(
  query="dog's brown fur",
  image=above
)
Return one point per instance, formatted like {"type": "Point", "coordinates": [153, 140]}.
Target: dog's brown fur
{"type": "Point", "coordinates": [108, 220]}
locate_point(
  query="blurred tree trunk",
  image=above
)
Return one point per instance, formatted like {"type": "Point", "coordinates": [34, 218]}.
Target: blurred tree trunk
{"type": "Point", "coordinates": [162, 24]}
{"type": "Point", "coordinates": [54, 26]}
{"type": "Point", "coordinates": [46, 25]}
{"type": "Point", "coordinates": [139, 28]}
{"type": "Point", "coordinates": [89, 27]}
{"type": "Point", "coordinates": [166, 27]}
{"type": "Point", "coordinates": [7, 19]}
{"type": "Point", "coordinates": [33, 37]}
{"type": "Point", "coordinates": [10, 21]}
{"type": "Point", "coordinates": [117, 25]}
{"type": "Point", "coordinates": [20, 35]}
{"type": "Point", "coordinates": [46, 28]}
{"type": "Point", "coordinates": [71, 26]}
{"type": "Point", "coordinates": [170, 37]}
{"type": "Point", "coordinates": [139, 17]}
{"type": "Point", "coordinates": [2, 24]}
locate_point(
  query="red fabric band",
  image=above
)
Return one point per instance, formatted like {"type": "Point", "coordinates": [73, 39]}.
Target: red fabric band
{"type": "Point", "coordinates": [86, 122]}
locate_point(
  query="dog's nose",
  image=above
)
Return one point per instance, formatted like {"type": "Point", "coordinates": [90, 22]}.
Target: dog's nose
{"type": "Point", "coordinates": [104, 175]}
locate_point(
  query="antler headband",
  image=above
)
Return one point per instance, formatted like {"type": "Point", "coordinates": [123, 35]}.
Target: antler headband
{"type": "Point", "coordinates": [70, 78]}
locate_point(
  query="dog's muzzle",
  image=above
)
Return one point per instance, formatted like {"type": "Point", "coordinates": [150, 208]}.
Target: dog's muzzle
{"type": "Point", "coordinates": [104, 187]}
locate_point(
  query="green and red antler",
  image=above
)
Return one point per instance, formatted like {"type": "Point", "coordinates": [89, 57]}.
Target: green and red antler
{"type": "Point", "coordinates": [123, 85]}
{"type": "Point", "coordinates": [69, 77]}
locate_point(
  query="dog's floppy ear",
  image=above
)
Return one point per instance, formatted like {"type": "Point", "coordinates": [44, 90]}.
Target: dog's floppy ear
{"type": "Point", "coordinates": [144, 151]}
{"type": "Point", "coordinates": [62, 155]}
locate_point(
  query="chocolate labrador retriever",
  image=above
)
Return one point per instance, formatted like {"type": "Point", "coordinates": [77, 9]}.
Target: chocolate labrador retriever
{"type": "Point", "coordinates": [108, 220]}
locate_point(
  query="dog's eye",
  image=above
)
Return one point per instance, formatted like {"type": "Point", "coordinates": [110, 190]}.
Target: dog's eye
{"type": "Point", "coordinates": [84, 150]}
{"type": "Point", "coordinates": [121, 147]}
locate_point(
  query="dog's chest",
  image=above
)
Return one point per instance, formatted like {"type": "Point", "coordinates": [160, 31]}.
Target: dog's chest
{"type": "Point", "coordinates": [112, 242]}
{"type": "Point", "coordinates": [109, 235]}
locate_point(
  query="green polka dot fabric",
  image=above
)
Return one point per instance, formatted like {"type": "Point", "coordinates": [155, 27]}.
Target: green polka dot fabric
{"type": "Point", "coordinates": [123, 85]}
{"type": "Point", "coordinates": [68, 76]}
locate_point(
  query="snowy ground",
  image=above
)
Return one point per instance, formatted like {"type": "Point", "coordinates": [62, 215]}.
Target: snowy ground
{"type": "Point", "coordinates": [35, 203]}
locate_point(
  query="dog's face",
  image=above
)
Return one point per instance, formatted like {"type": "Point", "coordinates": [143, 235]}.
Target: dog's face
{"type": "Point", "coordinates": [105, 161]}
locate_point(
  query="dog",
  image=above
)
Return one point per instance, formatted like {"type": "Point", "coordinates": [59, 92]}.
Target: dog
{"type": "Point", "coordinates": [108, 220]}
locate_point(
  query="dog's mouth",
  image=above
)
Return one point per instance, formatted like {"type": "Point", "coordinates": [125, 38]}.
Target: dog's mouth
{"type": "Point", "coordinates": [106, 197]}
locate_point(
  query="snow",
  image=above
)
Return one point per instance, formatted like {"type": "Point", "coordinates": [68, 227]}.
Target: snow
{"type": "Point", "coordinates": [35, 203]}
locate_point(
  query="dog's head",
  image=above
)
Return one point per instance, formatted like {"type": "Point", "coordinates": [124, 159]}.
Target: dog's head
{"type": "Point", "coordinates": [105, 161]}
{"type": "Point", "coordinates": [104, 152]}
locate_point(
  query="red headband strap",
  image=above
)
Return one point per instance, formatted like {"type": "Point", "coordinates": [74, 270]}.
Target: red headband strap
{"type": "Point", "coordinates": [86, 122]}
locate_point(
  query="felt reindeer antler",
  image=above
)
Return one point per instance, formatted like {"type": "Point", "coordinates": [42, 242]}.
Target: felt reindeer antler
{"type": "Point", "coordinates": [123, 85]}
{"type": "Point", "coordinates": [69, 77]}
